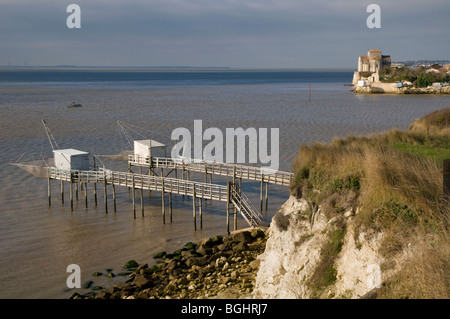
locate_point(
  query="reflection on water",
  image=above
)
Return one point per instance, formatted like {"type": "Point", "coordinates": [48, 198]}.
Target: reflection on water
{"type": "Point", "coordinates": [37, 242]}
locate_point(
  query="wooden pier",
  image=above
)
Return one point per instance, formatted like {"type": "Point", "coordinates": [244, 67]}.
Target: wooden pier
{"type": "Point", "coordinates": [230, 193]}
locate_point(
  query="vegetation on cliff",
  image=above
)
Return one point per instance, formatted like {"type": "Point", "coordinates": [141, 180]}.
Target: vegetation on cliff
{"type": "Point", "coordinates": [420, 77]}
{"type": "Point", "coordinates": [394, 182]}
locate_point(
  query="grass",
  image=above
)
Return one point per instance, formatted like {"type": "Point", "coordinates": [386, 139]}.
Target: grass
{"type": "Point", "coordinates": [395, 179]}
{"type": "Point", "coordinates": [325, 274]}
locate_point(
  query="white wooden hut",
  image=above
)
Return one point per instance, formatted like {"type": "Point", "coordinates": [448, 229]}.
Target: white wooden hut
{"type": "Point", "coordinates": [71, 159]}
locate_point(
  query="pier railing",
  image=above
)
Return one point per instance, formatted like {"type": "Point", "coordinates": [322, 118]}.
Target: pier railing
{"type": "Point", "coordinates": [216, 168]}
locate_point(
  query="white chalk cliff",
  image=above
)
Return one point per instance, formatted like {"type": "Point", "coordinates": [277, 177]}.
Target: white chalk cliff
{"type": "Point", "coordinates": [294, 252]}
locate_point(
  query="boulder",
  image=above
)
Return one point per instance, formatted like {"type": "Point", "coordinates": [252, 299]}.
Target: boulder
{"type": "Point", "coordinates": [142, 282]}
{"type": "Point", "coordinates": [131, 264]}
{"type": "Point", "coordinates": [257, 233]}
{"type": "Point", "coordinates": [204, 250]}
{"type": "Point", "coordinates": [242, 237]}
{"type": "Point", "coordinates": [199, 261]}
{"type": "Point", "coordinates": [239, 247]}
{"type": "Point", "coordinates": [160, 255]}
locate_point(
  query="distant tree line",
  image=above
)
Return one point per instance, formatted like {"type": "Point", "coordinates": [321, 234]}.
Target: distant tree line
{"type": "Point", "coordinates": [418, 77]}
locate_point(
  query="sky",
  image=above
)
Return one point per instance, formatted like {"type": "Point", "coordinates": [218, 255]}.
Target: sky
{"type": "Point", "coordinates": [220, 33]}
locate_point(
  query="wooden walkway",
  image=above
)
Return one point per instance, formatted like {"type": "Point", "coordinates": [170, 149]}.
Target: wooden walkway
{"type": "Point", "coordinates": [230, 193]}
{"type": "Point", "coordinates": [215, 168]}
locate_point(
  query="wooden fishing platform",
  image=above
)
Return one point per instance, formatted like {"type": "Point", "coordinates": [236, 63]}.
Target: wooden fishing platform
{"type": "Point", "coordinates": [230, 193]}
{"type": "Point", "coordinates": [70, 165]}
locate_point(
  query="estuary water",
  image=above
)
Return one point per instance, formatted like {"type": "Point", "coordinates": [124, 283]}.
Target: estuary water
{"type": "Point", "coordinates": [38, 242]}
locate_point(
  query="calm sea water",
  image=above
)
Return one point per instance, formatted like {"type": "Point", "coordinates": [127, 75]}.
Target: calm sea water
{"type": "Point", "coordinates": [38, 242]}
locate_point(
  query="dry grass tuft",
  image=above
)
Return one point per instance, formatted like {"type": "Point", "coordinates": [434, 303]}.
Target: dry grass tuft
{"type": "Point", "coordinates": [395, 178]}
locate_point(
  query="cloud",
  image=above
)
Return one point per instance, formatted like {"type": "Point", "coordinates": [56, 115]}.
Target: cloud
{"type": "Point", "coordinates": [277, 33]}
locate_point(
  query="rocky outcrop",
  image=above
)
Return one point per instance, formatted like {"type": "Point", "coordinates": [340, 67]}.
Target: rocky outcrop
{"type": "Point", "coordinates": [309, 256]}
{"type": "Point", "coordinates": [216, 267]}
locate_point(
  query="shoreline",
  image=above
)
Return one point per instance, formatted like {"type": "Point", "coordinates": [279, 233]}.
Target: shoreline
{"type": "Point", "coordinates": [218, 267]}
{"type": "Point", "coordinates": [391, 88]}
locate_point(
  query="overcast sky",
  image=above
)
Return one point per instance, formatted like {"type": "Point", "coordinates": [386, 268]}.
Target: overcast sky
{"type": "Point", "coordinates": [224, 33]}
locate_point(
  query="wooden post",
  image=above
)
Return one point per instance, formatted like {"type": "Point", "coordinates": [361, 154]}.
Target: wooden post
{"type": "Point", "coordinates": [228, 207]}
{"type": "Point", "coordinates": [446, 178]}
{"type": "Point", "coordinates": [193, 208]}
{"type": "Point", "coordinates": [261, 192]}
{"type": "Point", "coordinates": [235, 217]}
{"type": "Point", "coordinates": [95, 185]}
{"type": "Point", "coordinates": [141, 193]}
{"type": "Point", "coordinates": [163, 208]}
{"type": "Point", "coordinates": [85, 195]}
{"type": "Point", "coordinates": [134, 200]}
{"type": "Point", "coordinates": [200, 212]}
{"type": "Point", "coordinates": [170, 206]}
{"type": "Point", "coordinates": [71, 195]}
{"type": "Point", "coordinates": [95, 194]}
{"type": "Point", "coordinates": [267, 194]}
{"type": "Point", "coordinates": [62, 191]}
{"type": "Point", "coordinates": [76, 190]}
{"type": "Point", "coordinates": [49, 190]}
{"type": "Point", "coordinates": [106, 197]}
{"type": "Point", "coordinates": [114, 197]}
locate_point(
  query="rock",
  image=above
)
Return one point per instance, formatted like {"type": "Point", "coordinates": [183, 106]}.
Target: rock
{"type": "Point", "coordinates": [255, 264]}
{"type": "Point", "coordinates": [171, 265]}
{"type": "Point", "coordinates": [142, 267]}
{"type": "Point", "coordinates": [257, 233]}
{"type": "Point", "coordinates": [204, 250]}
{"type": "Point", "coordinates": [222, 247]}
{"type": "Point", "coordinates": [160, 255]}
{"type": "Point", "coordinates": [97, 288]}
{"type": "Point", "coordinates": [239, 247]}
{"type": "Point", "coordinates": [216, 240]}
{"type": "Point", "coordinates": [131, 264]}
{"type": "Point", "coordinates": [124, 273]}
{"type": "Point", "coordinates": [220, 261]}
{"type": "Point", "coordinates": [199, 261]}
{"type": "Point", "coordinates": [97, 274]}
{"type": "Point", "coordinates": [110, 275]}
{"type": "Point", "coordinates": [87, 284]}
{"type": "Point", "coordinates": [190, 246]}
{"type": "Point", "coordinates": [142, 281]}
{"type": "Point", "coordinates": [182, 281]}
{"type": "Point", "coordinates": [242, 237]}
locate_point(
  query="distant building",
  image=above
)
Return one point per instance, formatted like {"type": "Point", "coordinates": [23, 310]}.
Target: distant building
{"type": "Point", "coordinates": [370, 65]}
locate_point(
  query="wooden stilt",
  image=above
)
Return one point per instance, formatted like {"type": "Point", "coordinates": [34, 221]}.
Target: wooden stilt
{"type": "Point", "coordinates": [267, 194]}
{"type": "Point", "coordinates": [49, 190]}
{"type": "Point", "coordinates": [200, 212]}
{"type": "Point", "coordinates": [228, 207]}
{"type": "Point", "coordinates": [106, 197]}
{"type": "Point", "coordinates": [114, 197]}
{"type": "Point", "coordinates": [62, 191]}
{"type": "Point", "coordinates": [261, 192]}
{"type": "Point", "coordinates": [85, 195]}
{"type": "Point", "coordinates": [134, 200]}
{"type": "Point", "coordinates": [170, 206]}
{"type": "Point", "coordinates": [95, 194]}
{"type": "Point", "coordinates": [194, 215]}
{"type": "Point", "coordinates": [235, 217]}
{"type": "Point", "coordinates": [163, 208]}
{"type": "Point", "coordinates": [141, 193]}
{"type": "Point", "coordinates": [76, 190]}
{"type": "Point", "coordinates": [71, 196]}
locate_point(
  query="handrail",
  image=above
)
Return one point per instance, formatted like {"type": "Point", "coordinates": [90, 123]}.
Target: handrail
{"type": "Point", "coordinates": [218, 168]}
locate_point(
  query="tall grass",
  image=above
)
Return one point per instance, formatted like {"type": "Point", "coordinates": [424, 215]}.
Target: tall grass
{"type": "Point", "coordinates": [398, 190]}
